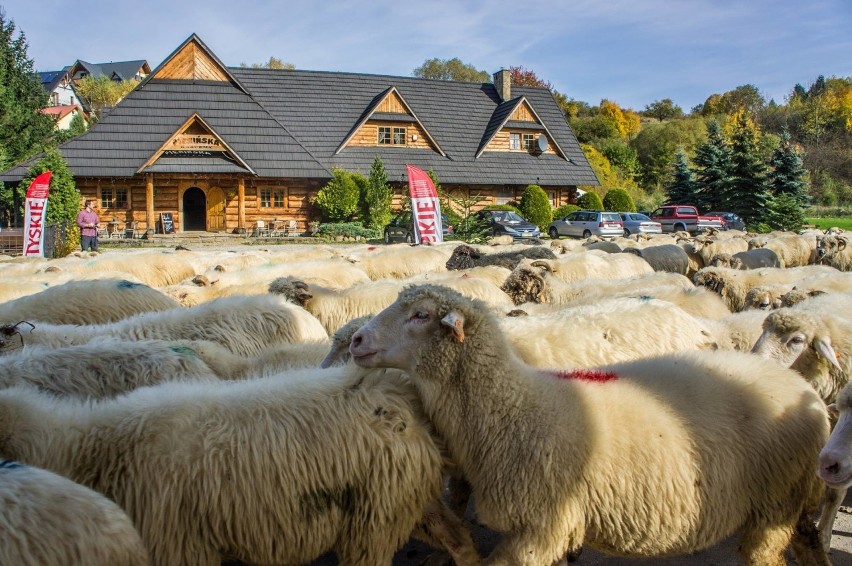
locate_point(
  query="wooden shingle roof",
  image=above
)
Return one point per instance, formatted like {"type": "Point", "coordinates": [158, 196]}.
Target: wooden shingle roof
{"type": "Point", "coordinates": [293, 124]}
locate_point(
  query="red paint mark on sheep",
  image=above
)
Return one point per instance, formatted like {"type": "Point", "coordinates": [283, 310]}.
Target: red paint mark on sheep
{"type": "Point", "coordinates": [596, 375]}
{"type": "Point", "coordinates": [372, 248]}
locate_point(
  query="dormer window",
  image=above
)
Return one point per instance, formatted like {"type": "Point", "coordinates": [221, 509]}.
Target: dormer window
{"type": "Point", "coordinates": [391, 136]}
{"type": "Point", "coordinates": [529, 141]}
{"type": "Point", "coordinates": [514, 141]}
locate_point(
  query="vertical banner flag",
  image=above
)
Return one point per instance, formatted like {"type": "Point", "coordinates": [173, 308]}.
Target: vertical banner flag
{"type": "Point", "coordinates": [35, 215]}
{"type": "Point", "coordinates": [425, 207]}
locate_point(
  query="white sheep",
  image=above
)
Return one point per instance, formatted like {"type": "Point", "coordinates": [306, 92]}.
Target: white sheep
{"type": "Point", "coordinates": [86, 302]}
{"type": "Point", "coordinates": [608, 331]}
{"type": "Point", "coordinates": [707, 247]}
{"type": "Point", "coordinates": [277, 470]}
{"type": "Point", "coordinates": [103, 367]}
{"type": "Point", "coordinates": [793, 250]}
{"type": "Point", "coordinates": [48, 520]}
{"type": "Point", "coordinates": [154, 268]}
{"type": "Point", "coordinates": [399, 262]}
{"type": "Point", "coordinates": [835, 459]}
{"type": "Point", "coordinates": [503, 240]}
{"type": "Point", "coordinates": [244, 325]}
{"type": "Point", "coordinates": [734, 284]}
{"type": "Point", "coordinates": [635, 459]}
{"type": "Point", "coordinates": [594, 265]}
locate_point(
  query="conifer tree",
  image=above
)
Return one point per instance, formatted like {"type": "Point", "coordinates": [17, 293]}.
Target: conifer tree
{"type": "Point", "coordinates": [713, 171]}
{"type": "Point", "coordinates": [378, 197]}
{"type": "Point", "coordinates": [748, 196]}
{"type": "Point", "coordinates": [63, 202]}
{"type": "Point", "coordinates": [787, 175]}
{"type": "Point", "coordinates": [682, 189]}
{"type": "Point", "coordinates": [24, 130]}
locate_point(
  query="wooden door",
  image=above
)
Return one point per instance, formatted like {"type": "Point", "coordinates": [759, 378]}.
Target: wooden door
{"type": "Point", "coordinates": [215, 210]}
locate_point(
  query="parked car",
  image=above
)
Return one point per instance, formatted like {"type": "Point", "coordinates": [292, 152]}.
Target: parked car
{"type": "Point", "coordinates": [685, 218]}
{"type": "Point", "coordinates": [585, 223]}
{"type": "Point", "coordinates": [510, 223]}
{"type": "Point", "coordinates": [638, 223]}
{"type": "Point", "coordinates": [401, 228]}
{"type": "Point", "coordinates": [732, 221]}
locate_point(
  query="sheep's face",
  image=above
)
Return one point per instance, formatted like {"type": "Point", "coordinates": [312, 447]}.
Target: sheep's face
{"type": "Point", "coordinates": [395, 337]}
{"type": "Point", "coordinates": [799, 341]}
{"type": "Point", "coordinates": [835, 459]}
{"type": "Point", "coordinates": [760, 298]}
{"type": "Point", "coordinates": [827, 246]}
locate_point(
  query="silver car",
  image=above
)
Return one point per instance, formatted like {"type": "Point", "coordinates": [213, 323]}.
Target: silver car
{"type": "Point", "coordinates": [638, 223]}
{"type": "Point", "coordinates": [585, 223]}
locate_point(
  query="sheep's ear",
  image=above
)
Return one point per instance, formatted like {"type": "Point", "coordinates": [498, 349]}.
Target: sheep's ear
{"type": "Point", "coordinates": [455, 320]}
{"type": "Point", "coordinates": [832, 409]}
{"type": "Point", "coordinates": [823, 346]}
{"type": "Point", "coordinates": [841, 242]}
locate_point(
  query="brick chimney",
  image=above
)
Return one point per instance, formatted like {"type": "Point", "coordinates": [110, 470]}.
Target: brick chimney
{"type": "Point", "coordinates": [503, 84]}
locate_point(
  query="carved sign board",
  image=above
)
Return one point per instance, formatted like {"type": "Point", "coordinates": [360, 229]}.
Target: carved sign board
{"type": "Point", "coordinates": [196, 142]}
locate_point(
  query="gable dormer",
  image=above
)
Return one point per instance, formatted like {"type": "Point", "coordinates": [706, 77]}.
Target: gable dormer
{"type": "Point", "coordinates": [516, 127]}
{"type": "Point", "coordinates": [389, 122]}
{"type": "Point", "coordinates": [195, 139]}
{"type": "Point", "coordinates": [193, 61]}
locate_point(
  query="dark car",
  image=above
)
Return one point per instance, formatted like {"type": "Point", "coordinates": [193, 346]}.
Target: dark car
{"type": "Point", "coordinates": [401, 228]}
{"type": "Point", "coordinates": [509, 223]}
{"type": "Point", "coordinates": [732, 221]}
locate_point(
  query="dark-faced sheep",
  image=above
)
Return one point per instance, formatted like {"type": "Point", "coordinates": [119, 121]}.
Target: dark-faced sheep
{"type": "Point", "coordinates": [633, 459]}
{"type": "Point", "coordinates": [465, 257]}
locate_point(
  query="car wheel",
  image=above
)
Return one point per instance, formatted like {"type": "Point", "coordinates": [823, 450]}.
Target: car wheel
{"type": "Point", "coordinates": [554, 233]}
{"type": "Point", "coordinates": [587, 234]}
{"type": "Point", "coordinates": [679, 228]}
{"type": "Point", "coordinates": [387, 237]}
{"type": "Point", "coordinates": [626, 232]}
{"type": "Point", "coordinates": [409, 238]}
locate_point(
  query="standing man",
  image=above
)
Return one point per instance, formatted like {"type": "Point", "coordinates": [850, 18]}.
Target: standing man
{"type": "Point", "coordinates": [87, 220]}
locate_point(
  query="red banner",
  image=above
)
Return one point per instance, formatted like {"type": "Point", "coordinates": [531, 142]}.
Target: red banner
{"type": "Point", "coordinates": [35, 215]}
{"type": "Point", "coordinates": [424, 206]}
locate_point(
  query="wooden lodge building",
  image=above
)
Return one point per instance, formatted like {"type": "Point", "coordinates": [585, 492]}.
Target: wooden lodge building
{"type": "Point", "coordinates": [222, 147]}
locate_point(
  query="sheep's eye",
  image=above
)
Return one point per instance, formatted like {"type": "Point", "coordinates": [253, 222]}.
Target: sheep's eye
{"type": "Point", "coordinates": [420, 315]}
{"type": "Point", "coordinates": [796, 340]}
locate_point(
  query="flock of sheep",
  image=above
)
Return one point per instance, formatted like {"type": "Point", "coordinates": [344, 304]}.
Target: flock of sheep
{"type": "Point", "coordinates": [642, 397]}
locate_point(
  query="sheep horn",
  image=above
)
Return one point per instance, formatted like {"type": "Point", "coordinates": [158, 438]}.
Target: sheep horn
{"type": "Point", "coordinates": [544, 264]}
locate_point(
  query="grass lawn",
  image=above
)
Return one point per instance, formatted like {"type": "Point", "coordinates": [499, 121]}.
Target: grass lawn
{"type": "Point", "coordinates": [824, 223]}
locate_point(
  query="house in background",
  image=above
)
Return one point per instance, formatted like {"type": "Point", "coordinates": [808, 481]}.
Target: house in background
{"type": "Point", "coordinates": [64, 115]}
{"type": "Point", "coordinates": [117, 71]}
{"type": "Point", "coordinates": [220, 148]}
{"type": "Point", "coordinates": [58, 86]}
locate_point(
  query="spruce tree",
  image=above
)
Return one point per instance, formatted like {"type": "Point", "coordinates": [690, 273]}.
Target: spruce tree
{"type": "Point", "coordinates": [713, 171]}
{"type": "Point", "coordinates": [24, 130]}
{"type": "Point", "coordinates": [787, 175]}
{"type": "Point", "coordinates": [749, 196]}
{"type": "Point", "coordinates": [682, 189]}
{"type": "Point", "coordinates": [378, 197]}
{"type": "Point", "coordinates": [787, 185]}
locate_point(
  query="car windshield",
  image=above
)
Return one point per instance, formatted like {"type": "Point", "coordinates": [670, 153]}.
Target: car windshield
{"type": "Point", "coordinates": [508, 216]}
{"type": "Point", "coordinates": [638, 216]}
{"type": "Point", "coordinates": [610, 217]}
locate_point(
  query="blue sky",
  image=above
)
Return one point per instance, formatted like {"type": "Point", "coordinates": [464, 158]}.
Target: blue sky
{"type": "Point", "coordinates": [631, 51]}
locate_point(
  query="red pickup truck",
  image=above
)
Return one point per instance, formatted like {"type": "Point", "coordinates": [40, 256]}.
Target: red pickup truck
{"type": "Point", "coordinates": [685, 218]}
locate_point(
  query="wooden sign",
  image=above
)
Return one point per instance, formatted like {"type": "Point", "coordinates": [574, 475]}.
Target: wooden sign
{"type": "Point", "coordinates": [196, 142]}
{"type": "Point", "coordinates": [167, 223]}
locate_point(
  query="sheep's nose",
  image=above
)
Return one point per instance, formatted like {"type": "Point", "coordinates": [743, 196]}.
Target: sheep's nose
{"type": "Point", "coordinates": [356, 340]}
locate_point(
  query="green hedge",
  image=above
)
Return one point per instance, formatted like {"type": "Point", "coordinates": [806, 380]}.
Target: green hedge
{"type": "Point", "coordinates": [332, 231]}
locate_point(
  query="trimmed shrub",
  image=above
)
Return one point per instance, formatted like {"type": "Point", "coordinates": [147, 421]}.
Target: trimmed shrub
{"type": "Point", "coordinates": [618, 200]}
{"type": "Point", "coordinates": [590, 201]}
{"type": "Point", "coordinates": [347, 230]}
{"type": "Point", "coordinates": [338, 200]}
{"type": "Point", "coordinates": [535, 206]}
{"type": "Point", "coordinates": [564, 210]}
{"type": "Point", "coordinates": [502, 207]}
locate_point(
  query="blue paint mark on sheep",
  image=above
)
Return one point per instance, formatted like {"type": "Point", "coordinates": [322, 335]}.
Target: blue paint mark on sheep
{"type": "Point", "coordinates": [125, 284]}
{"type": "Point", "coordinates": [183, 350]}
{"type": "Point", "coordinates": [11, 465]}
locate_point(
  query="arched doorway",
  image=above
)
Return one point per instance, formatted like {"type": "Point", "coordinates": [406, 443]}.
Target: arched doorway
{"type": "Point", "coordinates": [194, 210]}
